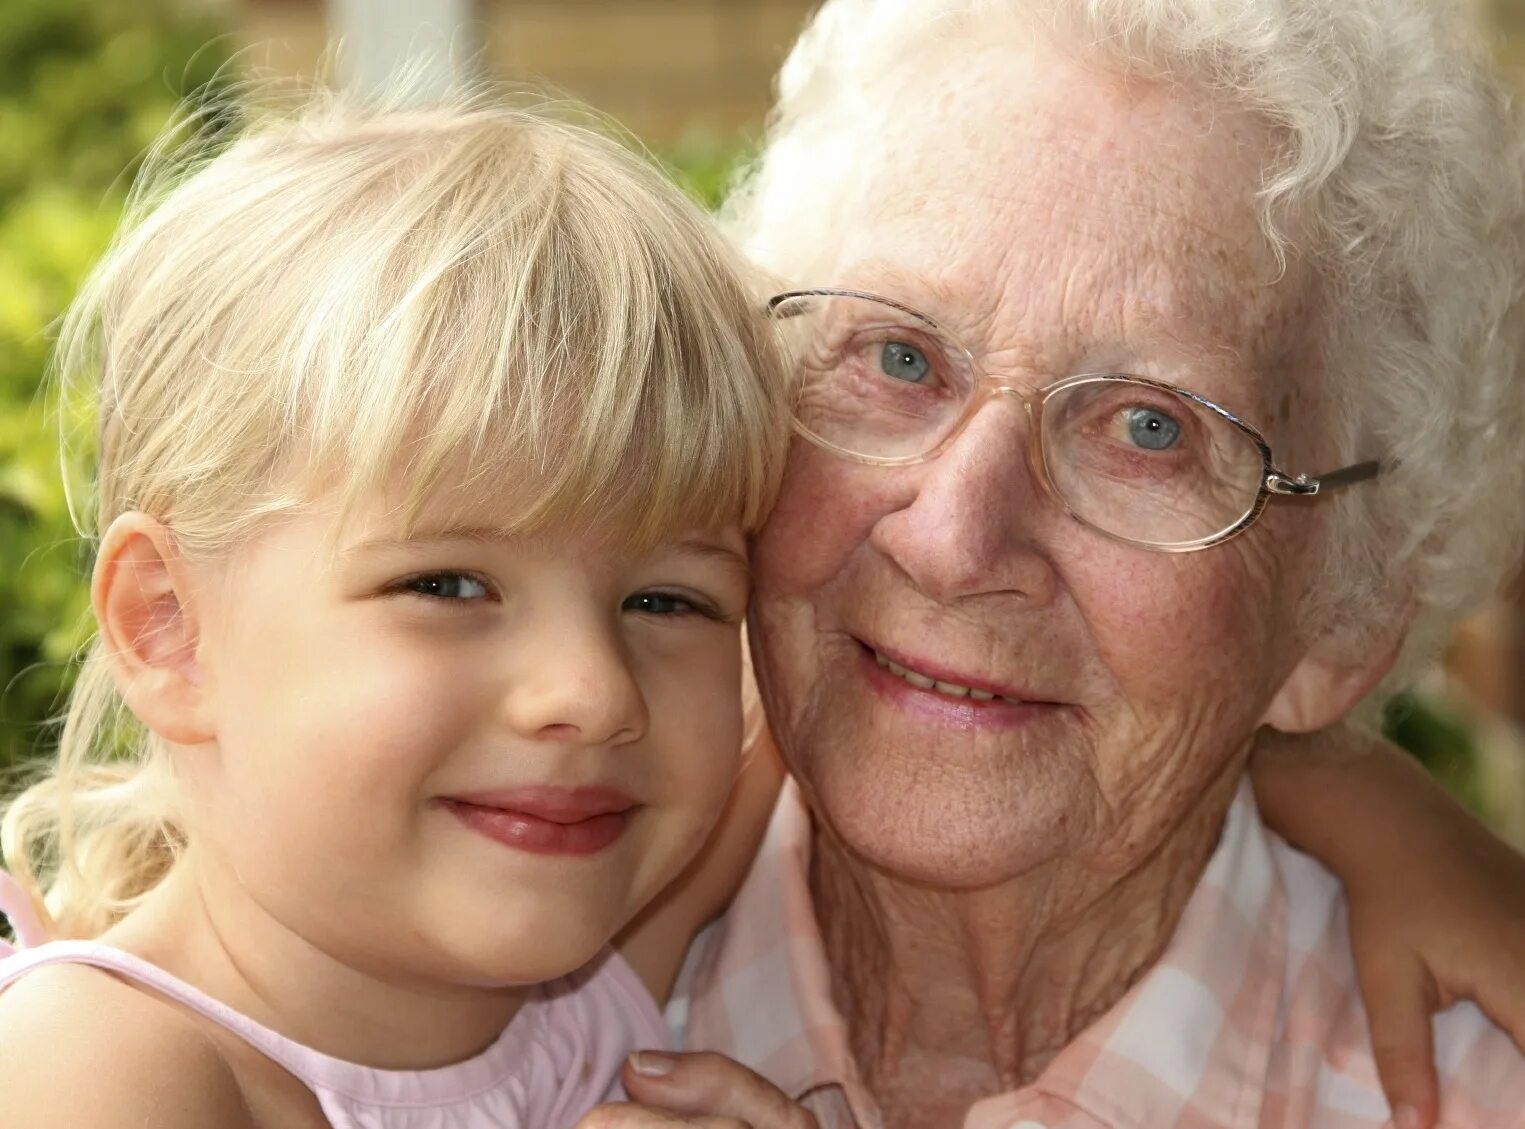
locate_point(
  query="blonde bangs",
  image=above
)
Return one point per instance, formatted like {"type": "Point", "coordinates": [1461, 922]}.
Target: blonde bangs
{"type": "Point", "coordinates": [472, 286]}
{"type": "Point", "coordinates": [595, 370]}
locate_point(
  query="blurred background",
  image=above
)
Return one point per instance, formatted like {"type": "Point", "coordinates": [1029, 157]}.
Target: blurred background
{"type": "Point", "coordinates": [85, 85]}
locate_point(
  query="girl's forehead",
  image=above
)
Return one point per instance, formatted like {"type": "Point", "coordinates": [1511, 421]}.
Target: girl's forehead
{"type": "Point", "coordinates": [460, 506]}
{"type": "Point", "coordinates": [494, 489]}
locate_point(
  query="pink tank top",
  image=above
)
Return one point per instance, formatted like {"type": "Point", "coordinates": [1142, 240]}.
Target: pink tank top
{"type": "Point", "coordinates": [558, 1059]}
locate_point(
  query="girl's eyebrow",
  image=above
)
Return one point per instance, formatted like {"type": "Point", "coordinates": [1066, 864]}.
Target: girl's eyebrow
{"type": "Point", "coordinates": [710, 550]}
{"type": "Point", "coordinates": [473, 533]}
{"type": "Point", "coordinates": [477, 534]}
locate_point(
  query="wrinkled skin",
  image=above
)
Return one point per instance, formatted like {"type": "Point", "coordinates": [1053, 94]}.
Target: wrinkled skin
{"type": "Point", "coordinates": [1090, 224]}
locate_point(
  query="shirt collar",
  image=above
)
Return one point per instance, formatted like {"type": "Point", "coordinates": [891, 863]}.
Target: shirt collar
{"type": "Point", "coordinates": [756, 985]}
{"type": "Point", "coordinates": [1195, 1032]}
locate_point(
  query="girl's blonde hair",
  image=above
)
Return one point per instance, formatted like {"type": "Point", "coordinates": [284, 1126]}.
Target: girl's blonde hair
{"type": "Point", "coordinates": [356, 297]}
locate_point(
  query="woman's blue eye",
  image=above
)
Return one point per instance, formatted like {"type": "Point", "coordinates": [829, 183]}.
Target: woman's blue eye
{"type": "Point", "coordinates": [447, 586]}
{"type": "Point", "coordinates": [904, 362]}
{"type": "Point", "coordinates": [1152, 430]}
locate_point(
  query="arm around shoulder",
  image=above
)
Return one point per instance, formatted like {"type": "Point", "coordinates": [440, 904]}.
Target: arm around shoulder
{"type": "Point", "coordinates": [1437, 903]}
{"type": "Point", "coordinates": [76, 1051]}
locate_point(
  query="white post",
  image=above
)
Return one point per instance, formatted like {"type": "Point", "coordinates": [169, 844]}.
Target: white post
{"type": "Point", "coordinates": [432, 44]}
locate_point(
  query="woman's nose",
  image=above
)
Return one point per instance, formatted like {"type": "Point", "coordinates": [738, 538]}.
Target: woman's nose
{"type": "Point", "coordinates": [978, 515]}
{"type": "Point", "coordinates": [578, 688]}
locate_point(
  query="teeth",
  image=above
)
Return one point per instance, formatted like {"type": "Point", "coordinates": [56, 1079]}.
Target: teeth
{"type": "Point", "coordinates": [951, 689]}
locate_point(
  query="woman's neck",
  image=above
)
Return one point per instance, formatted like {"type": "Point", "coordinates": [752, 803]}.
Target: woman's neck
{"type": "Point", "coordinates": [950, 996]}
{"type": "Point", "coordinates": [205, 930]}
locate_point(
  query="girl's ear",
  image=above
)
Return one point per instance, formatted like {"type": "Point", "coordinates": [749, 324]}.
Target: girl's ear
{"type": "Point", "coordinates": [142, 595]}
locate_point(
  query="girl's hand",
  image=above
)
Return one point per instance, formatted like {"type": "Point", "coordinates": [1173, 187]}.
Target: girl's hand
{"type": "Point", "coordinates": [1437, 903]}
{"type": "Point", "coordinates": [703, 1089]}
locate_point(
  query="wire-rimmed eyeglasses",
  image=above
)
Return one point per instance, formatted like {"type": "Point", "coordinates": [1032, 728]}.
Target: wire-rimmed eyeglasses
{"type": "Point", "coordinates": [1136, 459]}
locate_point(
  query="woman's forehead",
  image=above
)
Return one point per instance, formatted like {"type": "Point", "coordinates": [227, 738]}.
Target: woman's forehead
{"type": "Point", "coordinates": [1086, 202]}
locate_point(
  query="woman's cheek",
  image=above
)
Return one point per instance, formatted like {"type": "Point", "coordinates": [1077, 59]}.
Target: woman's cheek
{"type": "Point", "coordinates": [826, 508]}
{"type": "Point", "coordinates": [1181, 628]}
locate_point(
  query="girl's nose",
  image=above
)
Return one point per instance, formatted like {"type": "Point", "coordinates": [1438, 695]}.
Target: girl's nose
{"type": "Point", "coordinates": [579, 689]}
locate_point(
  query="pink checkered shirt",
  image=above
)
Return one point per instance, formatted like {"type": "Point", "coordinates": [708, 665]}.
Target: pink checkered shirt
{"type": "Point", "coordinates": [1251, 1018]}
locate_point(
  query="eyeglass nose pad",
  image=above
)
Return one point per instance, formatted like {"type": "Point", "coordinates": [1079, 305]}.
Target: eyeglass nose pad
{"type": "Point", "coordinates": [1034, 413]}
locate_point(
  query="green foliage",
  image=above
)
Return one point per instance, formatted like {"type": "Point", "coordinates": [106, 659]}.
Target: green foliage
{"type": "Point", "coordinates": [85, 86]}
{"type": "Point", "coordinates": [1442, 740]}
{"type": "Point", "coordinates": [705, 165]}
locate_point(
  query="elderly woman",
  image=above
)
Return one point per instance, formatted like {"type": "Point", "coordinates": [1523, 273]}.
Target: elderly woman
{"type": "Point", "coordinates": [1160, 383]}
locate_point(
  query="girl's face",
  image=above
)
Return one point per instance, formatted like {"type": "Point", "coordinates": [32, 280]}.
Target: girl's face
{"type": "Point", "coordinates": [456, 756]}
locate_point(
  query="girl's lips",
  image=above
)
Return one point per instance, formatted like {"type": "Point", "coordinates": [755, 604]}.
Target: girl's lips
{"type": "Point", "coordinates": [546, 820]}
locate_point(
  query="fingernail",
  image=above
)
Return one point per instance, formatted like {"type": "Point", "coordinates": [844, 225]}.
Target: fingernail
{"type": "Point", "coordinates": [1406, 1117]}
{"type": "Point", "coordinates": [655, 1064]}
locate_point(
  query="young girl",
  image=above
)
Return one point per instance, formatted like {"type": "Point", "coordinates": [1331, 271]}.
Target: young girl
{"type": "Point", "coordinates": [429, 444]}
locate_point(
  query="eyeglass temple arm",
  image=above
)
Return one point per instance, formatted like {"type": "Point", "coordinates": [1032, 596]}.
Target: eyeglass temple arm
{"type": "Point", "coordinates": [1302, 486]}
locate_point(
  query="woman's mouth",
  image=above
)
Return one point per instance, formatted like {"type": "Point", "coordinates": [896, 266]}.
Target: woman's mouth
{"type": "Point", "coordinates": [927, 682]}
{"type": "Point", "coordinates": [548, 820]}
{"type": "Point", "coordinates": [946, 696]}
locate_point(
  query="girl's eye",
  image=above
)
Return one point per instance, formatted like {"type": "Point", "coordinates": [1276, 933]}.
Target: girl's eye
{"type": "Point", "coordinates": [1150, 429]}
{"type": "Point", "coordinates": [900, 361]}
{"type": "Point", "coordinates": [449, 586]}
{"type": "Point", "coordinates": [665, 604]}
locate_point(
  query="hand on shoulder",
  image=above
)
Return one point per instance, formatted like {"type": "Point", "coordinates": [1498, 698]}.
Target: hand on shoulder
{"type": "Point", "coordinates": [80, 1048]}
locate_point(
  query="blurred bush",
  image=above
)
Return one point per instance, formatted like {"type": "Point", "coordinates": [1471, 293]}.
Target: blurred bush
{"type": "Point", "coordinates": [85, 86]}
{"type": "Point", "coordinates": [705, 165]}
{"type": "Point", "coordinates": [1442, 738]}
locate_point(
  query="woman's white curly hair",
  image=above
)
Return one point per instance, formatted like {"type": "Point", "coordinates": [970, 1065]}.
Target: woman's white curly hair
{"type": "Point", "coordinates": [1404, 166]}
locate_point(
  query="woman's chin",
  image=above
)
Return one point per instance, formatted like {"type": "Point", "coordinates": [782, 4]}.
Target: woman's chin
{"type": "Point", "coordinates": [943, 833]}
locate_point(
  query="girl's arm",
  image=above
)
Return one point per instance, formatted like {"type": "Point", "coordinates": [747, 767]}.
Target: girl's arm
{"type": "Point", "coordinates": [1437, 903]}
{"type": "Point", "coordinates": [657, 940]}
{"type": "Point", "coordinates": [80, 1048]}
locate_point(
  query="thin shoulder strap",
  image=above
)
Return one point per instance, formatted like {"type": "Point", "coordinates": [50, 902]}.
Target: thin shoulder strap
{"type": "Point", "coordinates": [293, 1056]}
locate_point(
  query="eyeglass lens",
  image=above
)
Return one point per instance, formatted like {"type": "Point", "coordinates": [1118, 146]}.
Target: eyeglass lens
{"type": "Point", "coordinates": [1136, 460]}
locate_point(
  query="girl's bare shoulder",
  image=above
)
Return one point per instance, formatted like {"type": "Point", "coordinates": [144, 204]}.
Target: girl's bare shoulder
{"type": "Point", "coordinates": [80, 1047]}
